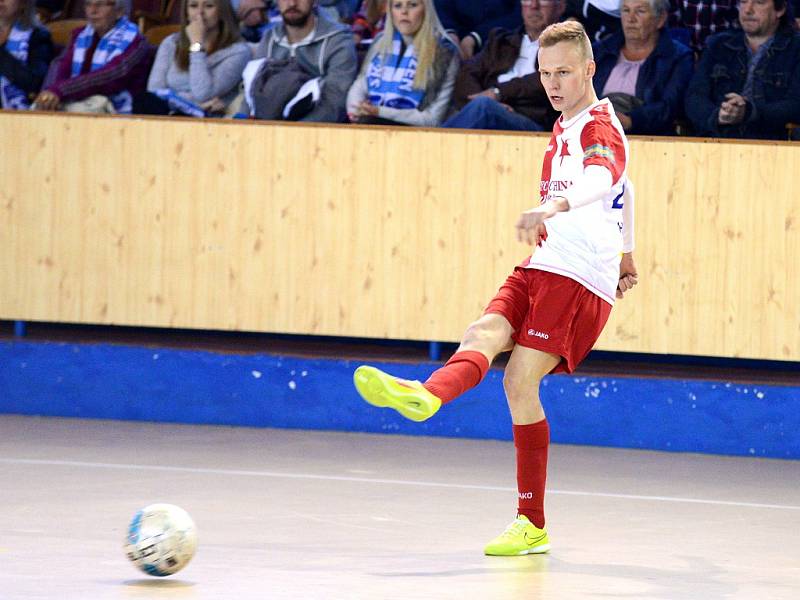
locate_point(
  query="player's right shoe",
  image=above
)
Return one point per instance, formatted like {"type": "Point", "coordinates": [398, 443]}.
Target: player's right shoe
{"type": "Point", "coordinates": [409, 398]}
{"type": "Point", "coordinates": [520, 537]}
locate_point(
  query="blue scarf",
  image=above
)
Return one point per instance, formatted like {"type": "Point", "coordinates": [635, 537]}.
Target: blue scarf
{"type": "Point", "coordinates": [17, 46]}
{"type": "Point", "coordinates": [179, 103]}
{"type": "Point", "coordinates": [390, 79]}
{"type": "Point", "coordinates": [111, 45]}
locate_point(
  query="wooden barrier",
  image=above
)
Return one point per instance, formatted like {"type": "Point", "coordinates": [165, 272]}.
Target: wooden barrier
{"type": "Point", "coordinates": [371, 232]}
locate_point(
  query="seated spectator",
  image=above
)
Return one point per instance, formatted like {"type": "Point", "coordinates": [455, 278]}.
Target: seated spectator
{"type": "Point", "coordinates": [470, 21]}
{"type": "Point", "coordinates": [306, 52]}
{"type": "Point", "coordinates": [747, 83]}
{"type": "Point", "coordinates": [702, 18]}
{"type": "Point", "coordinates": [643, 71]}
{"type": "Point", "coordinates": [336, 10]}
{"type": "Point", "coordinates": [369, 21]}
{"type": "Point", "coordinates": [409, 72]}
{"type": "Point", "coordinates": [25, 53]}
{"type": "Point", "coordinates": [500, 88]}
{"type": "Point", "coordinates": [600, 18]}
{"type": "Point", "coordinates": [253, 17]}
{"type": "Point", "coordinates": [108, 58]}
{"type": "Point", "coordinates": [198, 69]}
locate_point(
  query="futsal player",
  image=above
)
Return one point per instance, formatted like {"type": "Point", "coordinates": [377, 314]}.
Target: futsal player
{"type": "Point", "coordinates": [551, 309]}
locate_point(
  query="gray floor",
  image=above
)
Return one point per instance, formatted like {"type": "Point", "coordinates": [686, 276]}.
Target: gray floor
{"type": "Point", "coordinates": [295, 514]}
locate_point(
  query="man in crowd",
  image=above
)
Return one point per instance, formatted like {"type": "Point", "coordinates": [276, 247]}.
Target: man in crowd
{"type": "Point", "coordinates": [500, 88]}
{"type": "Point", "coordinates": [747, 83]}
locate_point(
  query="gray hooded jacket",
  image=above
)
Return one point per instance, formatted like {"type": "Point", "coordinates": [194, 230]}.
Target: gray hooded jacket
{"type": "Point", "coordinates": [329, 53]}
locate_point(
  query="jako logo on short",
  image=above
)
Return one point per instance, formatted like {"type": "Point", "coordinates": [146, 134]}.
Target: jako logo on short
{"type": "Point", "coordinates": [539, 334]}
{"type": "Point", "coordinates": [526, 495]}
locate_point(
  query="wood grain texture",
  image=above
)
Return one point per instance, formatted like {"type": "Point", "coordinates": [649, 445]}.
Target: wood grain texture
{"type": "Point", "coordinates": [372, 232]}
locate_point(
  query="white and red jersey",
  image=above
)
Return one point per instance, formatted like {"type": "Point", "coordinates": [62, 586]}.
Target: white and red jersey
{"type": "Point", "coordinates": [585, 242]}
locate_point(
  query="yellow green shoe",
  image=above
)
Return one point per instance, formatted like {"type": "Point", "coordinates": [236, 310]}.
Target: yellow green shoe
{"type": "Point", "coordinates": [520, 537]}
{"type": "Point", "coordinates": [408, 398]}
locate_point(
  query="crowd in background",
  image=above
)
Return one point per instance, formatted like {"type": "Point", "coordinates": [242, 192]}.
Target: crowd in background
{"type": "Point", "coordinates": [717, 68]}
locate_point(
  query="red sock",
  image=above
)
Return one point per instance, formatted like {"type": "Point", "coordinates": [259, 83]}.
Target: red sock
{"type": "Point", "coordinates": [531, 442]}
{"type": "Point", "coordinates": [462, 372]}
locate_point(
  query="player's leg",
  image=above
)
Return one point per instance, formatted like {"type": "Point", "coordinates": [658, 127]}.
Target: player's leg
{"type": "Point", "coordinates": [482, 341]}
{"type": "Point", "coordinates": [523, 376]}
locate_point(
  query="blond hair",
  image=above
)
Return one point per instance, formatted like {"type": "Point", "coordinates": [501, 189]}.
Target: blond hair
{"type": "Point", "coordinates": [433, 56]}
{"type": "Point", "coordinates": [567, 31]}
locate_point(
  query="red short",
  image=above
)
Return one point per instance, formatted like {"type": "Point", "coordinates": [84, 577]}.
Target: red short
{"type": "Point", "coordinates": [551, 313]}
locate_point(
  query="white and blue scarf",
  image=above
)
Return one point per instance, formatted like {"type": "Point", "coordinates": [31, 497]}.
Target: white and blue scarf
{"type": "Point", "coordinates": [178, 103]}
{"type": "Point", "coordinates": [17, 46]}
{"type": "Point", "coordinates": [111, 45]}
{"type": "Point", "coordinates": [390, 79]}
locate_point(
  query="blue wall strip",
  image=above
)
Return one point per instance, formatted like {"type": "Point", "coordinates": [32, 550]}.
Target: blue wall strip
{"type": "Point", "coordinates": [182, 386]}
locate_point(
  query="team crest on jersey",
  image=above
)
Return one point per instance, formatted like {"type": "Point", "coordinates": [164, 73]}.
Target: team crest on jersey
{"type": "Point", "coordinates": [598, 150]}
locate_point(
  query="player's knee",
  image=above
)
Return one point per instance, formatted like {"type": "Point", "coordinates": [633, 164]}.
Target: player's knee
{"type": "Point", "coordinates": [520, 388]}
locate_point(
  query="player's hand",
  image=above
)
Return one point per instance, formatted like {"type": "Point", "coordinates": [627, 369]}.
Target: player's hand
{"type": "Point", "coordinates": [530, 225]}
{"type": "Point", "coordinates": [628, 277]}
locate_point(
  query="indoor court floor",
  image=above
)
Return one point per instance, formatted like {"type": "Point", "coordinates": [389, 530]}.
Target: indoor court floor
{"type": "Point", "coordinates": [322, 515]}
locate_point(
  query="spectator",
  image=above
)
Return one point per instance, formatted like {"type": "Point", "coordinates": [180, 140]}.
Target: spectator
{"type": "Point", "coordinates": [500, 88]}
{"type": "Point", "coordinates": [702, 18]}
{"type": "Point", "coordinates": [336, 10]}
{"type": "Point", "coordinates": [107, 58]}
{"type": "Point", "coordinates": [600, 18]}
{"type": "Point", "coordinates": [369, 21]}
{"type": "Point", "coordinates": [470, 21]}
{"type": "Point", "coordinates": [197, 69]}
{"type": "Point", "coordinates": [409, 72]}
{"type": "Point", "coordinates": [643, 71]}
{"type": "Point", "coordinates": [25, 53]}
{"type": "Point", "coordinates": [308, 44]}
{"type": "Point", "coordinates": [253, 17]}
{"type": "Point", "coordinates": [747, 83]}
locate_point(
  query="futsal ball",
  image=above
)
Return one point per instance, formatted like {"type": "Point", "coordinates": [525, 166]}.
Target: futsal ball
{"type": "Point", "coordinates": [161, 539]}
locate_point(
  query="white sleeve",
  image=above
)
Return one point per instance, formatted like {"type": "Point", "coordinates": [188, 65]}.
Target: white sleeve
{"type": "Point", "coordinates": [594, 185]}
{"type": "Point", "coordinates": [628, 241]}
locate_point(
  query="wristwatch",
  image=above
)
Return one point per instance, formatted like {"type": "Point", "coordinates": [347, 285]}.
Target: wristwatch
{"type": "Point", "coordinates": [196, 47]}
{"type": "Point", "coordinates": [496, 92]}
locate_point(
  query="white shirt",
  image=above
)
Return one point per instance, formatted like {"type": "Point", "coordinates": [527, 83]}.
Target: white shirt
{"type": "Point", "coordinates": [526, 61]}
{"type": "Point", "coordinates": [585, 242]}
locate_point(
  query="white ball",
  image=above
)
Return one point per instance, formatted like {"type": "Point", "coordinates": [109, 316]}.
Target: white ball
{"type": "Point", "coordinates": [161, 539]}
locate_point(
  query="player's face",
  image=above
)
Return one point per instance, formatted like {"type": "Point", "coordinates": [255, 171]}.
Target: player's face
{"type": "Point", "coordinates": [567, 77]}
{"type": "Point", "coordinates": [639, 23]}
{"type": "Point", "coordinates": [759, 17]}
{"type": "Point", "coordinates": [407, 15]}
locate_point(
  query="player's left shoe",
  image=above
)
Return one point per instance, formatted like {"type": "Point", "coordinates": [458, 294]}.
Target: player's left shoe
{"type": "Point", "coordinates": [520, 537]}
{"type": "Point", "coordinates": [409, 398]}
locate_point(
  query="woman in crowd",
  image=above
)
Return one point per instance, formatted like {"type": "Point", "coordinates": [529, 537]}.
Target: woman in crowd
{"type": "Point", "coordinates": [25, 53]}
{"type": "Point", "coordinates": [409, 72]}
{"type": "Point", "coordinates": [198, 69]}
{"type": "Point", "coordinates": [643, 71]}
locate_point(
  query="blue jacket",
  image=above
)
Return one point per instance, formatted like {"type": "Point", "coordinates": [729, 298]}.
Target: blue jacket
{"type": "Point", "coordinates": [723, 69]}
{"type": "Point", "coordinates": [662, 82]}
{"type": "Point", "coordinates": [478, 17]}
